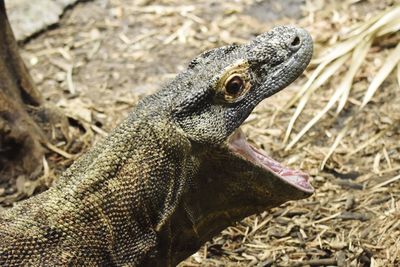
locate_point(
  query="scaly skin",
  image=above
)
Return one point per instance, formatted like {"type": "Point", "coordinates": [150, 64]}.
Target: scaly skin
{"type": "Point", "coordinates": [172, 175]}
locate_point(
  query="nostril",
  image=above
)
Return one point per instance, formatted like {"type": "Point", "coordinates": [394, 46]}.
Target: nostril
{"type": "Point", "coordinates": [295, 42]}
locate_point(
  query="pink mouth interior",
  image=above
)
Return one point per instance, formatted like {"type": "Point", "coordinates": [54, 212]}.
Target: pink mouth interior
{"type": "Point", "coordinates": [298, 179]}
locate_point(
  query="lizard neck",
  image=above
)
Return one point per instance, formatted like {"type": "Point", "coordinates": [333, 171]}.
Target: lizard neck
{"type": "Point", "coordinates": [119, 194]}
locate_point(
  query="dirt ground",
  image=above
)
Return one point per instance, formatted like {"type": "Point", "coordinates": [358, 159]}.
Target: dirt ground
{"type": "Point", "coordinates": [106, 54]}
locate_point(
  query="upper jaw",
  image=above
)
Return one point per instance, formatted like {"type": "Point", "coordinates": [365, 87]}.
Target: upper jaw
{"type": "Point", "coordinates": [275, 72]}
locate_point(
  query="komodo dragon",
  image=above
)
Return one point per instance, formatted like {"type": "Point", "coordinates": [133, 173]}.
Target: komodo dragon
{"type": "Point", "coordinates": [175, 173]}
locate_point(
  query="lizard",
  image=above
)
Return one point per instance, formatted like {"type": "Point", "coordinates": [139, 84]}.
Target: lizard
{"type": "Point", "coordinates": [173, 174]}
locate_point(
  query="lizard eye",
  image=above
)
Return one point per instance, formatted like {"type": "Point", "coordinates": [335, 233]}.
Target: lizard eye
{"type": "Point", "coordinates": [234, 82]}
{"type": "Point", "coordinates": [234, 86]}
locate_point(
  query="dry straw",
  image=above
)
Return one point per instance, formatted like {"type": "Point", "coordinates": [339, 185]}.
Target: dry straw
{"type": "Point", "coordinates": [351, 51]}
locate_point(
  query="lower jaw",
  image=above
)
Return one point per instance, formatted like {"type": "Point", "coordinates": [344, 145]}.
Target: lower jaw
{"type": "Point", "coordinates": [238, 145]}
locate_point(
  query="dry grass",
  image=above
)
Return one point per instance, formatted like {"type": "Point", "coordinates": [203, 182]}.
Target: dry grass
{"type": "Point", "coordinates": [110, 53]}
{"type": "Point", "coordinates": [351, 49]}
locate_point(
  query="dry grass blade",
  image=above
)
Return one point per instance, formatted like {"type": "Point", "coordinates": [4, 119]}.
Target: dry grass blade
{"type": "Point", "coordinates": [385, 22]}
{"type": "Point", "coordinates": [391, 180]}
{"type": "Point", "coordinates": [59, 151]}
{"type": "Point", "coordinates": [368, 142]}
{"type": "Point", "coordinates": [398, 74]}
{"type": "Point", "coordinates": [335, 144]}
{"type": "Point", "coordinates": [392, 60]}
{"type": "Point", "coordinates": [339, 50]}
{"type": "Point", "coordinates": [357, 59]}
{"type": "Point", "coordinates": [297, 96]}
{"type": "Point", "coordinates": [392, 27]}
{"type": "Point", "coordinates": [361, 27]}
{"type": "Point", "coordinates": [299, 108]}
{"type": "Point", "coordinates": [321, 79]}
{"type": "Point", "coordinates": [388, 17]}
{"type": "Point", "coordinates": [314, 120]}
{"type": "Point", "coordinates": [306, 86]}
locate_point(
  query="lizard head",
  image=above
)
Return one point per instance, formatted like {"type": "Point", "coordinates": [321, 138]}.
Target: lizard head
{"type": "Point", "coordinates": [222, 86]}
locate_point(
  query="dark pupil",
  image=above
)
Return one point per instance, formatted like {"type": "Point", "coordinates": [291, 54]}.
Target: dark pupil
{"type": "Point", "coordinates": [234, 86]}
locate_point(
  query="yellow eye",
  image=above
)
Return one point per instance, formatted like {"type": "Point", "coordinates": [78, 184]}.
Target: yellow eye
{"type": "Point", "coordinates": [234, 82]}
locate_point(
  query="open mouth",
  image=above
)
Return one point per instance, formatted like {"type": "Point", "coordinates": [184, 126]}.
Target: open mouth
{"type": "Point", "coordinates": [238, 144]}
